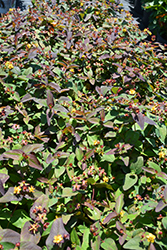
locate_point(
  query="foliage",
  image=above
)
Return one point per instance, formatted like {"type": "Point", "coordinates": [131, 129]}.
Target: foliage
{"type": "Point", "coordinates": [83, 130]}
{"type": "Point", "coordinates": [158, 16]}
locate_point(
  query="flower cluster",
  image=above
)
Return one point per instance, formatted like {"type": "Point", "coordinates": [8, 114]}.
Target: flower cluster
{"type": "Point", "coordinates": [24, 188]}
{"type": "Point", "coordinates": [9, 65]}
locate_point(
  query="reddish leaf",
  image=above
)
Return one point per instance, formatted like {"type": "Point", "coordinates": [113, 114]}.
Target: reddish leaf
{"type": "Point", "coordinates": [10, 196]}
{"type": "Point", "coordinates": [109, 217]}
{"type": "Point", "coordinates": [15, 154]}
{"type": "Point", "coordinates": [33, 162]}
{"type": "Point", "coordinates": [8, 235]}
{"type": "Point", "coordinates": [26, 245]}
{"type": "Point", "coordinates": [160, 206]}
{"type": "Point", "coordinates": [119, 203]}
{"type": "Point", "coordinates": [122, 239]}
{"type": "Point", "coordinates": [28, 236]}
{"type": "Point", "coordinates": [139, 118]}
{"type": "Point", "coordinates": [50, 100]}
{"type": "Point", "coordinates": [57, 229]}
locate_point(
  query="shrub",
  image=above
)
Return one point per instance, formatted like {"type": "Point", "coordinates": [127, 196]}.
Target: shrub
{"type": "Point", "coordinates": [83, 130]}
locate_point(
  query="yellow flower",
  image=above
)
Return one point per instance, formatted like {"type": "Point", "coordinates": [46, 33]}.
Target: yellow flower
{"type": "Point", "coordinates": [57, 239]}
{"type": "Point", "coordinates": [148, 31]}
{"type": "Point", "coordinates": [73, 110]}
{"type": "Point", "coordinates": [9, 65]}
{"type": "Point", "coordinates": [97, 12]}
{"type": "Point", "coordinates": [28, 45]}
{"type": "Point", "coordinates": [72, 70]}
{"type": "Point", "coordinates": [124, 30]}
{"type": "Point", "coordinates": [105, 179]}
{"type": "Point", "coordinates": [31, 189]}
{"type": "Point", "coordinates": [161, 154]}
{"type": "Point", "coordinates": [17, 190]}
{"type": "Point", "coordinates": [11, 9]}
{"type": "Point", "coordinates": [33, 228]}
{"type": "Point", "coordinates": [81, 4]}
{"type": "Point", "coordinates": [96, 142]}
{"type": "Point", "coordinates": [153, 108]}
{"type": "Point", "coordinates": [132, 92]}
{"type": "Point", "coordinates": [122, 213]}
{"type": "Point", "coordinates": [151, 237]}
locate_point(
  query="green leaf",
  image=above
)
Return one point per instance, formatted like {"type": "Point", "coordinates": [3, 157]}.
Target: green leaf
{"type": "Point", "coordinates": [154, 166]}
{"type": "Point", "coordinates": [27, 71]}
{"type": "Point", "coordinates": [94, 214]}
{"type": "Point", "coordinates": [67, 192]}
{"type": "Point", "coordinates": [130, 180]}
{"type": "Point", "coordinates": [85, 243]}
{"type": "Point", "coordinates": [119, 203]}
{"type": "Point", "coordinates": [96, 243]}
{"type": "Point", "coordinates": [79, 154]}
{"type": "Point", "coordinates": [133, 243]}
{"type": "Point", "coordinates": [7, 245]}
{"type": "Point", "coordinates": [109, 244]}
{"type": "Point", "coordinates": [19, 218]}
{"type": "Point", "coordinates": [104, 185]}
{"type": "Point", "coordinates": [58, 171]}
{"type": "Point", "coordinates": [74, 238]}
{"type": "Point", "coordinates": [136, 167]}
{"type": "Point", "coordinates": [164, 222]}
{"type": "Point", "coordinates": [108, 158]}
{"type": "Point", "coordinates": [162, 133]}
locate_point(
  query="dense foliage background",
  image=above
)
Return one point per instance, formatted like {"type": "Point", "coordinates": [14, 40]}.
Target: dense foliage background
{"type": "Point", "coordinates": [82, 129]}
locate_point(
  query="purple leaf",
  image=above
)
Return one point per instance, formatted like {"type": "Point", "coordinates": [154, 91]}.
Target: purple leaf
{"type": "Point", "coordinates": [149, 170]}
{"type": "Point", "coordinates": [125, 160]}
{"type": "Point", "coordinates": [84, 166]}
{"type": "Point", "coordinates": [149, 121]}
{"type": "Point", "coordinates": [4, 177]}
{"type": "Point", "coordinates": [119, 203]}
{"type": "Point", "coordinates": [42, 201]}
{"type": "Point", "coordinates": [162, 174]}
{"type": "Point", "coordinates": [160, 206]}
{"type": "Point", "coordinates": [57, 229]}
{"type": "Point", "coordinates": [50, 101]}
{"type": "Point", "coordinates": [165, 194]}
{"type": "Point", "coordinates": [139, 118]}
{"type": "Point", "coordinates": [126, 79]}
{"type": "Point", "coordinates": [151, 247]}
{"type": "Point", "coordinates": [15, 154]}
{"type": "Point", "coordinates": [141, 77]}
{"type": "Point", "coordinates": [32, 147]}
{"type": "Point", "coordinates": [32, 53]}
{"type": "Point", "coordinates": [104, 56]}
{"type": "Point", "coordinates": [108, 124]}
{"type": "Point", "coordinates": [55, 86]}
{"type": "Point", "coordinates": [8, 235]}
{"type": "Point", "coordinates": [122, 239]}
{"type": "Point", "coordinates": [120, 226]}
{"type": "Point", "coordinates": [49, 114]}
{"type": "Point", "coordinates": [111, 152]}
{"type": "Point", "coordinates": [109, 217]}
{"type": "Point", "coordinates": [27, 98]}
{"type": "Point", "coordinates": [28, 236]}
{"type": "Point", "coordinates": [10, 196]}
{"type": "Point", "coordinates": [33, 162]}
{"type": "Point", "coordinates": [26, 245]}
{"type": "Point", "coordinates": [94, 120]}
{"type": "Point", "coordinates": [2, 191]}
